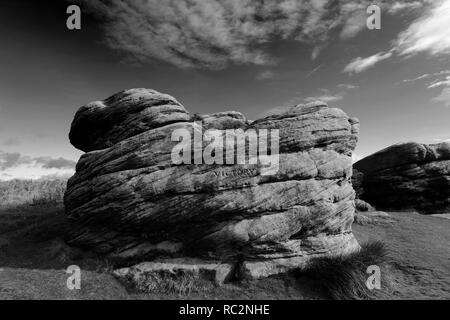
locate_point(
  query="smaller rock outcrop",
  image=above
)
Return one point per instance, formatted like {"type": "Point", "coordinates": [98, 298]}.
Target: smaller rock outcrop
{"type": "Point", "coordinates": [155, 276]}
{"type": "Point", "coordinates": [362, 206]}
{"type": "Point", "coordinates": [407, 176]}
{"type": "Point", "coordinates": [367, 214]}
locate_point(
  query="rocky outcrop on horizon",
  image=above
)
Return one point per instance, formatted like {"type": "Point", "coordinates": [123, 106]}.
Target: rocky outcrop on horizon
{"type": "Point", "coordinates": [128, 199]}
{"type": "Point", "coordinates": [407, 176]}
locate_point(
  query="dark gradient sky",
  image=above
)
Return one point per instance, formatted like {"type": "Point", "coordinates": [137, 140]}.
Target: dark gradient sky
{"type": "Point", "coordinates": [47, 72]}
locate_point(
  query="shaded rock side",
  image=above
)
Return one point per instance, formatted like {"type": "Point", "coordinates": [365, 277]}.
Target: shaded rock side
{"type": "Point", "coordinates": [407, 176]}
{"type": "Point", "coordinates": [130, 201]}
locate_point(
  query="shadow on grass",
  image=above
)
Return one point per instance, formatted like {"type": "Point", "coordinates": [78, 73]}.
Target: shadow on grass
{"type": "Point", "coordinates": [33, 236]}
{"type": "Point", "coordinates": [344, 277]}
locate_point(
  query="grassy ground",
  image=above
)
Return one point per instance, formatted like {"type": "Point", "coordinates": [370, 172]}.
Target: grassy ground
{"type": "Point", "coordinates": [419, 247]}
{"type": "Point", "coordinates": [33, 260]}
{"type": "Point", "coordinates": [31, 192]}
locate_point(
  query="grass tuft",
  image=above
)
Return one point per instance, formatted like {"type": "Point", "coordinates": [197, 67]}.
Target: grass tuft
{"type": "Point", "coordinates": [178, 283]}
{"type": "Point", "coordinates": [344, 277]}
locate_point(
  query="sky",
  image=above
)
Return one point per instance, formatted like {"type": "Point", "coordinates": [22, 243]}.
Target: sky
{"type": "Point", "coordinates": [249, 56]}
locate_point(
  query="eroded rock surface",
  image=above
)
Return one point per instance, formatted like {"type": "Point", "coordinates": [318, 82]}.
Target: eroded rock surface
{"type": "Point", "coordinates": [408, 176]}
{"type": "Point", "coordinates": [129, 200]}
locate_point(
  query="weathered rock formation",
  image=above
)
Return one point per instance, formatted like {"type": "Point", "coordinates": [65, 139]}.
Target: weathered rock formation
{"type": "Point", "coordinates": [408, 176]}
{"type": "Point", "coordinates": [362, 206]}
{"type": "Point", "coordinates": [154, 275]}
{"type": "Point", "coordinates": [128, 199]}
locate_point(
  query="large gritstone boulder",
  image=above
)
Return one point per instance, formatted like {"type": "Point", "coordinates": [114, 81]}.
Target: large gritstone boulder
{"type": "Point", "coordinates": [133, 198]}
{"type": "Point", "coordinates": [407, 176]}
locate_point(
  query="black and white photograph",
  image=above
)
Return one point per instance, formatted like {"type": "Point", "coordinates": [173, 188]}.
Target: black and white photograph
{"type": "Point", "coordinates": [246, 152]}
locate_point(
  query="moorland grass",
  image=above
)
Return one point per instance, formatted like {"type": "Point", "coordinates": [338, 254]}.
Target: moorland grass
{"type": "Point", "coordinates": [344, 277]}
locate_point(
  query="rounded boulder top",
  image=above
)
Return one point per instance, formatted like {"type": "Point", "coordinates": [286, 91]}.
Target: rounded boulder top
{"type": "Point", "coordinates": [101, 124]}
{"type": "Point", "coordinates": [403, 154]}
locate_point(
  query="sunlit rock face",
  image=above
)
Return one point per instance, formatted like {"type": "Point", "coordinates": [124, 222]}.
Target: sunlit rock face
{"type": "Point", "coordinates": [130, 200]}
{"type": "Point", "coordinates": [408, 176]}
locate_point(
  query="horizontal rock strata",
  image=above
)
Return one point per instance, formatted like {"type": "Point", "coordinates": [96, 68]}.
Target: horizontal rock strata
{"type": "Point", "coordinates": [408, 176]}
{"type": "Point", "coordinates": [129, 200]}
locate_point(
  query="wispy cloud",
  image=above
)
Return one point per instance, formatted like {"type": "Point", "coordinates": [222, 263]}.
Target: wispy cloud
{"type": "Point", "coordinates": [430, 33]}
{"type": "Point", "coordinates": [439, 83]}
{"type": "Point", "coordinates": [400, 7]}
{"type": "Point", "coordinates": [265, 75]}
{"type": "Point", "coordinates": [424, 76]}
{"type": "Point", "coordinates": [316, 52]}
{"type": "Point", "coordinates": [347, 86]}
{"type": "Point", "coordinates": [329, 96]}
{"type": "Point", "coordinates": [439, 79]}
{"type": "Point", "coordinates": [14, 165]}
{"type": "Point", "coordinates": [313, 71]}
{"type": "Point", "coordinates": [324, 95]}
{"type": "Point", "coordinates": [55, 163]}
{"type": "Point", "coordinates": [356, 19]}
{"type": "Point", "coordinates": [216, 33]}
{"type": "Point", "coordinates": [362, 64]}
{"type": "Point", "coordinates": [427, 76]}
{"type": "Point", "coordinates": [325, 98]}
{"type": "Point", "coordinates": [438, 140]}
{"type": "Point", "coordinates": [443, 97]}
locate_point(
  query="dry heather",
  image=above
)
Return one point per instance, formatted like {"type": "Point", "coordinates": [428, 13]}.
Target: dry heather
{"type": "Point", "coordinates": [344, 277]}
{"type": "Point", "coordinates": [17, 193]}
